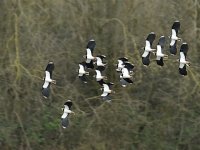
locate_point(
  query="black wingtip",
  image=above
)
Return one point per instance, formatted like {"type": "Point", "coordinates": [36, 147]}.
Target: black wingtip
{"type": "Point", "coordinates": [46, 92]}
{"type": "Point", "coordinates": [91, 44]}
{"type": "Point", "coordinates": [68, 103]}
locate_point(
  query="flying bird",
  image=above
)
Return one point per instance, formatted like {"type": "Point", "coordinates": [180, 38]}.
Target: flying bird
{"type": "Point", "coordinates": [66, 112]}
{"type": "Point", "coordinates": [107, 90]}
{"type": "Point", "coordinates": [182, 61]}
{"type": "Point", "coordinates": [48, 80]}
{"type": "Point", "coordinates": [148, 49]}
{"type": "Point", "coordinates": [99, 61]}
{"type": "Point", "coordinates": [82, 73]}
{"type": "Point", "coordinates": [125, 77]}
{"type": "Point", "coordinates": [99, 77]}
{"type": "Point", "coordinates": [120, 64]}
{"type": "Point", "coordinates": [174, 37]}
{"type": "Point", "coordinates": [159, 55]}
{"type": "Point", "coordinates": [89, 54]}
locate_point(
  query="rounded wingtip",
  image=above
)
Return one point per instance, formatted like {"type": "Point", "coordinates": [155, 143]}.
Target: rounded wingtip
{"type": "Point", "coordinates": [50, 62]}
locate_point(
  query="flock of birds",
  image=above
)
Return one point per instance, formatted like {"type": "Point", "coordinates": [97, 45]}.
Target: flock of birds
{"type": "Point", "coordinates": [124, 67]}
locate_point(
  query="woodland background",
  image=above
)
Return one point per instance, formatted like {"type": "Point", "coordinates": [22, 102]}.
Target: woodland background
{"type": "Point", "coordinates": [160, 111]}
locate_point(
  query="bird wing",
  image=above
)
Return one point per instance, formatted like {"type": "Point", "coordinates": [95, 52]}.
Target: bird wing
{"type": "Point", "coordinates": [151, 37]}
{"type": "Point", "coordinates": [173, 49]}
{"type": "Point", "coordinates": [145, 54]}
{"type": "Point", "coordinates": [69, 104]}
{"type": "Point", "coordinates": [123, 59]}
{"type": "Point", "coordinates": [159, 51]}
{"type": "Point", "coordinates": [66, 110]}
{"type": "Point", "coordinates": [176, 26]}
{"type": "Point", "coordinates": [89, 64]}
{"type": "Point", "coordinates": [184, 48]}
{"type": "Point", "coordinates": [46, 91]}
{"type": "Point", "coordinates": [120, 64]}
{"type": "Point", "coordinates": [91, 45]}
{"type": "Point", "coordinates": [48, 76]}
{"type": "Point", "coordinates": [106, 88]}
{"type": "Point", "coordinates": [47, 79]}
{"type": "Point", "coordinates": [99, 61]}
{"type": "Point", "coordinates": [50, 68]}
{"type": "Point", "coordinates": [125, 73]}
{"type": "Point", "coordinates": [46, 84]}
{"type": "Point", "coordinates": [83, 78]}
{"type": "Point", "coordinates": [104, 94]}
{"type": "Point", "coordinates": [123, 82]}
{"type": "Point", "coordinates": [128, 80]}
{"type": "Point", "coordinates": [100, 68]}
{"type": "Point", "coordinates": [65, 122]}
{"type": "Point", "coordinates": [98, 74]}
{"type": "Point", "coordinates": [147, 45]}
{"type": "Point", "coordinates": [89, 53]}
{"type": "Point", "coordinates": [81, 70]}
{"type": "Point", "coordinates": [129, 66]}
{"type": "Point", "coordinates": [161, 41]}
{"type": "Point", "coordinates": [173, 42]}
{"type": "Point", "coordinates": [101, 82]}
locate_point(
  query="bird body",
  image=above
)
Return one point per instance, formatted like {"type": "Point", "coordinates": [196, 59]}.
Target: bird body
{"type": "Point", "coordinates": [82, 73]}
{"type": "Point", "coordinates": [174, 37]}
{"type": "Point", "coordinates": [182, 60]}
{"type": "Point", "coordinates": [159, 53]}
{"type": "Point", "coordinates": [48, 80]}
{"type": "Point", "coordinates": [106, 90]}
{"type": "Point", "coordinates": [120, 64]}
{"type": "Point", "coordinates": [125, 77]}
{"type": "Point", "coordinates": [125, 73]}
{"type": "Point", "coordinates": [98, 75]}
{"type": "Point", "coordinates": [66, 112]}
{"type": "Point", "coordinates": [89, 54]}
{"type": "Point", "coordinates": [148, 48]}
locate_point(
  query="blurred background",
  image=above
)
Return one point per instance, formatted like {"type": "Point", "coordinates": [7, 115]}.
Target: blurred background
{"type": "Point", "coordinates": [160, 111]}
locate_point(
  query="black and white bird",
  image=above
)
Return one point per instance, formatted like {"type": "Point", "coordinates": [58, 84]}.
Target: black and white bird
{"type": "Point", "coordinates": [66, 112]}
{"type": "Point", "coordinates": [182, 61]}
{"type": "Point", "coordinates": [99, 77]}
{"type": "Point", "coordinates": [48, 80]}
{"type": "Point", "coordinates": [82, 73]}
{"type": "Point", "coordinates": [148, 49]}
{"type": "Point", "coordinates": [125, 77]}
{"type": "Point", "coordinates": [107, 90]}
{"type": "Point", "coordinates": [89, 54]}
{"type": "Point", "coordinates": [174, 37]}
{"type": "Point", "coordinates": [120, 64]}
{"type": "Point", "coordinates": [99, 62]}
{"type": "Point", "coordinates": [159, 54]}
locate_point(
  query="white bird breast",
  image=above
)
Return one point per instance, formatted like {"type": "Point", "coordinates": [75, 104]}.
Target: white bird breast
{"type": "Point", "coordinates": [125, 73]}
{"type": "Point", "coordinates": [98, 74]}
{"type": "Point", "coordinates": [47, 79]}
{"type": "Point", "coordinates": [145, 54]}
{"type": "Point", "coordinates": [99, 62]}
{"type": "Point", "coordinates": [159, 53]}
{"type": "Point", "coordinates": [106, 88]}
{"type": "Point", "coordinates": [182, 60]}
{"type": "Point", "coordinates": [120, 64]}
{"type": "Point", "coordinates": [66, 112]}
{"type": "Point", "coordinates": [89, 54]}
{"type": "Point", "coordinates": [81, 69]}
{"type": "Point", "coordinates": [147, 46]}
